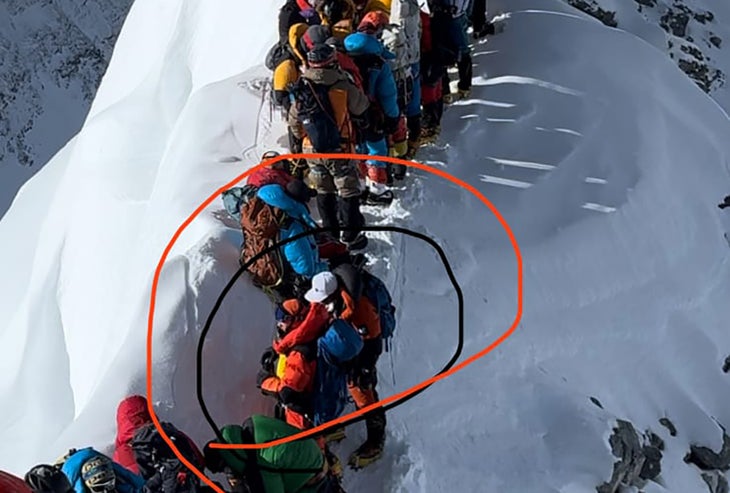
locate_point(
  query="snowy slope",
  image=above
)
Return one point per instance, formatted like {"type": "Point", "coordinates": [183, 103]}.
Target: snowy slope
{"type": "Point", "coordinates": [52, 59]}
{"type": "Point", "coordinates": [603, 157]}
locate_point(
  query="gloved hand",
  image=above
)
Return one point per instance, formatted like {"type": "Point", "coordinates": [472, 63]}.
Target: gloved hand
{"type": "Point", "coordinates": [261, 376]}
{"type": "Point", "coordinates": [268, 359]}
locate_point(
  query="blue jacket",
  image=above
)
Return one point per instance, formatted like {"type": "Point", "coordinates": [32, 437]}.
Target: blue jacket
{"type": "Point", "coordinates": [127, 481]}
{"type": "Point", "coordinates": [380, 82]}
{"type": "Point", "coordinates": [302, 254]}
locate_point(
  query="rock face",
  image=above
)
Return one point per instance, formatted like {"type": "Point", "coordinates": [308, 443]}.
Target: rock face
{"type": "Point", "coordinates": [639, 458]}
{"type": "Point", "coordinates": [691, 38]}
{"type": "Point", "coordinates": [53, 54]}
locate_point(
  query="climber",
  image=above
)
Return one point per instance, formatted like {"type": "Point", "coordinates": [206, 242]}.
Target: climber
{"type": "Point", "coordinates": [276, 214]}
{"type": "Point", "coordinates": [90, 471]}
{"type": "Point", "coordinates": [45, 478]}
{"type": "Point", "coordinates": [433, 70]}
{"type": "Point", "coordinates": [265, 470]}
{"type": "Point", "coordinates": [140, 448]}
{"type": "Point", "coordinates": [448, 28]}
{"type": "Point", "coordinates": [384, 117]}
{"type": "Point", "coordinates": [293, 384]}
{"type": "Point", "coordinates": [325, 104]}
{"type": "Point", "coordinates": [403, 37]}
{"type": "Point", "coordinates": [355, 305]}
{"type": "Point", "coordinates": [13, 484]}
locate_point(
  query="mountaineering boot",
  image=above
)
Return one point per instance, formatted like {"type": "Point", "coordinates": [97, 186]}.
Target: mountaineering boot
{"type": "Point", "coordinates": [336, 435]}
{"type": "Point", "coordinates": [352, 218]}
{"type": "Point", "coordinates": [448, 98]}
{"type": "Point", "coordinates": [327, 207]}
{"type": "Point", "coordinates": [372, 449]}
{"type": "Point", "coordinates": [487, 29]}
{"type": "Point", "coordinates": [333, 462]}
{"type": "Point", "coordinates": [463, 94]}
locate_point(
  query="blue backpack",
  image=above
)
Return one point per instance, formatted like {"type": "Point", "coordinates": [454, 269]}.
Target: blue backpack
{"type": "Point", "coordinates": [340, 344]}
{"type": "Point", "coordinates": [376, 291]}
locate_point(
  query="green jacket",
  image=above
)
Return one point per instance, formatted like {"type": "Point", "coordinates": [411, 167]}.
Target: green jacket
{"type": "Point", "coordinates": [301, 454]}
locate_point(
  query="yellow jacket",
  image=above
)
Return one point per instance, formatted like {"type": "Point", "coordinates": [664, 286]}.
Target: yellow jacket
{"type": "Point", "coordinates": [287, 72]}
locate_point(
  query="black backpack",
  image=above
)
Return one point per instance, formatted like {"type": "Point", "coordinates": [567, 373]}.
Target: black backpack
{"type": "Point", "coordinates": [315, 113]}
{"type": "Point", "coordinates": [277, 54]}
{"type": "Point", "coordinates": [151, 451]}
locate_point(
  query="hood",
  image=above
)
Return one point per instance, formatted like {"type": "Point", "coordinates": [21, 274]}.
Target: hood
{"type": "Point", "coordinates": [132, 413]}
{"type": "Point", "coordinates": [295, 35]}
{"type": "Point", "coordinates": [365, 44]}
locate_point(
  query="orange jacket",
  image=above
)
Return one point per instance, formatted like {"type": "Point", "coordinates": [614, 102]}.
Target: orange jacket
{"type": "Point", "coordinates": [299, 371]}
{"type": "Point", "coordinates": [361, 314]}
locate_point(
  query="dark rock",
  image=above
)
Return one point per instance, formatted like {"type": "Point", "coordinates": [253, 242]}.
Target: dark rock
{"type": "Point", "coordinates": [716, 482]}
{"type": "Point", "coordinates": [646, 3]}
{"type": "Point", "coordinates": [591, 8]}
{"type": "Point", "coordinates": [596, 402]}
{"type": "Point", "coordinates": [707, 460]}
{"type": "Point", "coordinates": [665, 422]}
{"type": "Point", "coordinates": [703, 17]}
{"type": "Point", "coordinates": [675, 22]}
{"type": "Point", "coordinates": [717, 41]}
{"type": "Point", "coordinates": [638, 463]}
{"type": "Point", "coordinates": [692, 51]}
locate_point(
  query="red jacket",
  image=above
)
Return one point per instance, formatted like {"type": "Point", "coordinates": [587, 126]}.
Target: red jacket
{"type": "Point", "coordinates": [132, 413]}
{"type": "Point", "coordinates": [426, 42]}
{"type": "Point", "coordinates": [11, 484]}
{"type": "Point", "coordinates": [361, 314]}
{"type": "Point", "coordinates": [348, 65]}
{"type": "Point", "coordinates": [313, 326]}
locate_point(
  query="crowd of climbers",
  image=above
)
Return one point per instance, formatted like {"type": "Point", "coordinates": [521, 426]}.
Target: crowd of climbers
{"type": "Point", "coordinates": [352, 76]}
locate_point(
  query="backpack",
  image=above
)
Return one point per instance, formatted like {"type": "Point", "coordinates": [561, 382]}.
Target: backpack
{"type": "Point", "coordinates": [339, 345]}
{"type": "Point", "coordinates": [260, 224]}
{"type": "Point", "coordinates": [235, 198]}
{"type": "Point", "coordinates": [276, 55]}
{"type": "Point", "coordinates": [375, 290]}
{"type": "Point", "coordinates": [151, 451]}
{"type": "Point", "coordinates": [315, 113]}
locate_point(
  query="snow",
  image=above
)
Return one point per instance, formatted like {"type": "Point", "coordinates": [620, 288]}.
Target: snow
{"type": "Point", "coordinates": [605, 160]}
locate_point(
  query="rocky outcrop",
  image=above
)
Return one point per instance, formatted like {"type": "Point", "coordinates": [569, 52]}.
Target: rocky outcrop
{"type": "Point", "coordinates": [54, 54]}
{"type": "Point", "coordinates": [639, 458]}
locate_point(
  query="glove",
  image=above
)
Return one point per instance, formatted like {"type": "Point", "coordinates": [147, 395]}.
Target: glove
{"type": "Point", "coordinates": [268, 358]}
{"type": "Point", "coordinates": [261, 376]}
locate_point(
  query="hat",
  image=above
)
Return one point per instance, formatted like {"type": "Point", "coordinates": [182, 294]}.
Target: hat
{"type": "Point", "coordinates": [321, 55]}
{"type": "Point", "coordinates": [299, 191]}
{"type": "Point", "coordinates": [315, 35]}
{"type": "Point", "coordinates": [324, 285]}
{"type": "Point", "coordinates": [374, 22]}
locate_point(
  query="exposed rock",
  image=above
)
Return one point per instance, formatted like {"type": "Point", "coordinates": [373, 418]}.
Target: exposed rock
{"type": "Point", "coordinates": [638, 462]}
{"type": "Point", "coordinates": [707, 460]}
{"type": "Point", "coordinates": [669, 426]}
{"type": "Point", "coordinates": [675, 22]}
{"type": "Point", "coordinates": [716, 482]}
{"type": "Point", "coordinates": [591, 8]}
{"type": "Point", "coordinates": [717, 41]}
{"type": "Point", "coordinates": [693, 51]}
{"type": "Point", "coordinates": [646, 3]}
{"type": "Point", "coordinates": [725, 366]}
{"type": "Point", "coordinates": [596, 402]}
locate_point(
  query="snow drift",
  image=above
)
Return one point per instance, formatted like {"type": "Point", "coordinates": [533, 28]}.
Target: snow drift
{"type": "Point", "coordinates": [604, 158]}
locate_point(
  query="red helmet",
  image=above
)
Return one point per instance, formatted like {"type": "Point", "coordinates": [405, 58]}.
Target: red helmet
{"type": "Point", "coordinates": [374, 22]}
